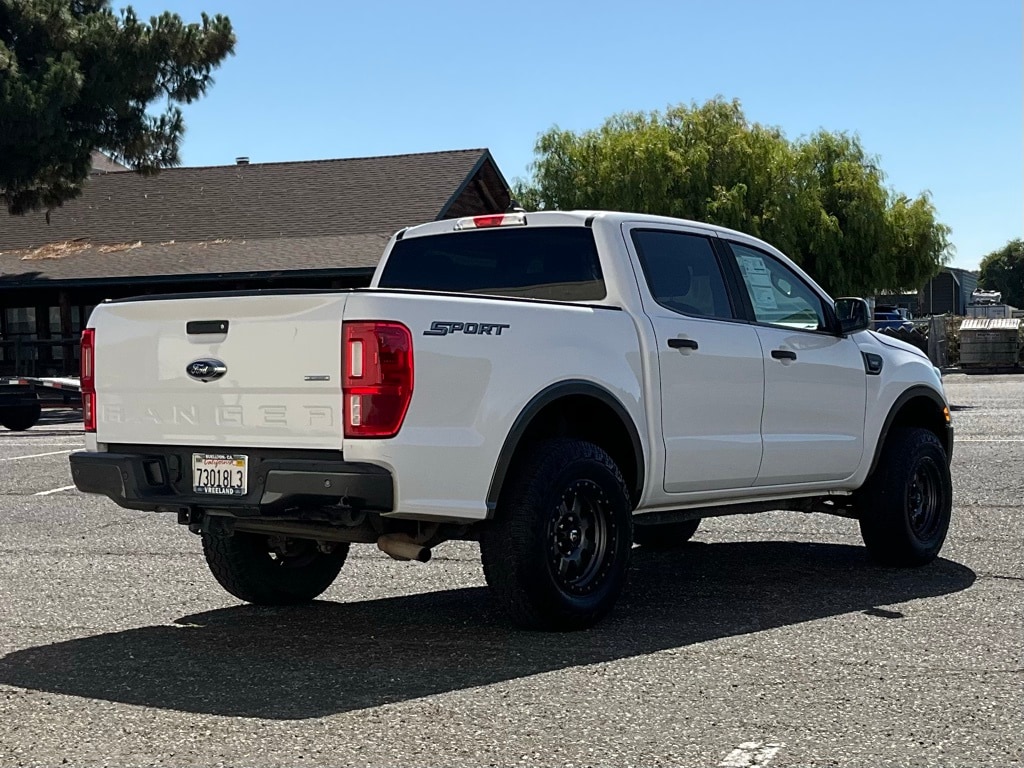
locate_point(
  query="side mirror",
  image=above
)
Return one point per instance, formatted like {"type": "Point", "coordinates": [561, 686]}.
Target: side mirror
{"type": "Point", "coordinates": [853, 315]}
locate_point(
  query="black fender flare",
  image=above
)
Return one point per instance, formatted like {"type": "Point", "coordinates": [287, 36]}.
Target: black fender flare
{"type": "Point", "coordinates": [541, 400]}
{"type": "Point", "coordinates": [908, 395]}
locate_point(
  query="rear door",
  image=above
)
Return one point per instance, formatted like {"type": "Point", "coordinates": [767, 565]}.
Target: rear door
{"type": "Point", "coordinates": [710, 362]}
{"type": "Point", "coordinates": [815, 382]}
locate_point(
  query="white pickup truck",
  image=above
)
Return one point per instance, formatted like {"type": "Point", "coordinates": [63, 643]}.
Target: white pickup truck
{"type": "Point", "coordinates": [558, 386]}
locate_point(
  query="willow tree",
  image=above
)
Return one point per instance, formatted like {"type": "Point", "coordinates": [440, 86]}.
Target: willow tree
{"type": "Point", "coordinates": [822, 199]}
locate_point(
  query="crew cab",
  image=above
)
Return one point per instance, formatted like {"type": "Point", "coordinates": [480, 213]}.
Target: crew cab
{"type": "Point", "coordinates": [559, 386]}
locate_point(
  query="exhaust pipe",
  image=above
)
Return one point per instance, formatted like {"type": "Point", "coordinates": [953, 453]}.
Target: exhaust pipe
{"type": "Point", "coordinates": [400, 546]}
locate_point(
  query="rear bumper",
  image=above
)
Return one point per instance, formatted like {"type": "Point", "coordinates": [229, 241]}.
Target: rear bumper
{"type": "Point", "coordinates": [158, 479]}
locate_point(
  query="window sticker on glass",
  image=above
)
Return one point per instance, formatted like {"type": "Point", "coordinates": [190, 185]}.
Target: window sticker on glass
{"type": "Point", "coordinates": [759, 281]}
{"type": "Point", "coordinates": [755, 270]}
{"type": "Point", "coordinates": [764, 298]}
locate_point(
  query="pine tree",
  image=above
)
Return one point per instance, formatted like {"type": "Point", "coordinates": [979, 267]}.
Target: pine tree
{"type": "Point", "coordinates": [76, 77]}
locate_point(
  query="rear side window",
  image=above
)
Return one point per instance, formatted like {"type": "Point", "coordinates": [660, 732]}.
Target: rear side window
{"type": "Point", "coordinates": [556, 263]}
{"type": "Point", "coordinates": [683, 273]}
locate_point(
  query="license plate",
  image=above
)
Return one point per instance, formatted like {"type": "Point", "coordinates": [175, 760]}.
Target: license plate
{"type": "Point", "coordinates": [219, 474]}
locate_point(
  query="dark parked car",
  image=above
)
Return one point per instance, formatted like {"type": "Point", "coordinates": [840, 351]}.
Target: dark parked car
{"type": "Point", "coordinates": [884, 320]}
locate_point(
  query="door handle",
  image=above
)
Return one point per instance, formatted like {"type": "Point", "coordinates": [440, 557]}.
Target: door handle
{"type": "Point", "coordinates": [683, 343]}
{"type": "Point", "coordinates": [783, 354]}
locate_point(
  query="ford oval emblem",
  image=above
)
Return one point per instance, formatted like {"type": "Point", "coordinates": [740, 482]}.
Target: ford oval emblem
{"type": "Point", "coordinates": [206, 370]}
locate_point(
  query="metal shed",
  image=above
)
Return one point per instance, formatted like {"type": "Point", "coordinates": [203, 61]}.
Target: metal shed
{"type": "Point", "coordinates": [948, 293]}
{"type": "Point", "coordinates": [987, 342]}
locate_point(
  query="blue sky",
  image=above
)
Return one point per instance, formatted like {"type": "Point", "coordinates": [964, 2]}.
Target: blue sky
{"type": "Point", "coordinates": [933, 87]}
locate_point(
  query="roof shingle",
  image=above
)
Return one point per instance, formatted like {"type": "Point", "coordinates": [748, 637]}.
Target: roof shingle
{"type": "Point", "coordinates": [260, 200]}
{"type": "Point", "coordinates": [209, 257]}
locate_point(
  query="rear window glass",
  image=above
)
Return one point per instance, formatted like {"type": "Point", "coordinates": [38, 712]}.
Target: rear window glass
{"type": "Point", "coordinates": [556, 263]}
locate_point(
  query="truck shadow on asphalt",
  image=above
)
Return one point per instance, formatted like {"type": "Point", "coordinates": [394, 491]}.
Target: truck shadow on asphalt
{"type": "Point", "coordinates": [325, 658]}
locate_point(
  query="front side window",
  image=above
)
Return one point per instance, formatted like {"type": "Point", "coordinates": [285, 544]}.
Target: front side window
{"type": "Point", "coordinates": [683, 273]}
{"type": "Point", "coordinates": [778, 295]}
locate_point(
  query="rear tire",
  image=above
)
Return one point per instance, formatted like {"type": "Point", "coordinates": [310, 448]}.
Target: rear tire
{"type": "Point", "coordinates": [248, 568]}
{"type": "Point", "coordinates": [662, 536]}
{"type": "Point", "coordinates": [556, 555]}
{"type": "Point", "coordinates": [906, 505]}
{"type": "Point", "coordinates": [20, 417]}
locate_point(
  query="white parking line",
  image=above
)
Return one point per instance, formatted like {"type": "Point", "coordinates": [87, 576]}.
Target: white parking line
{"type": "Point", "coordinates": [750, 753]}
{"type": "Point", "coordinates": [990, 439]}
{"type": "Point", "coordinates": [36, 455]}
{"type": "Point", "coordinates": [55, 490]}
{"type": "Point", "coordinates": [36, 443]}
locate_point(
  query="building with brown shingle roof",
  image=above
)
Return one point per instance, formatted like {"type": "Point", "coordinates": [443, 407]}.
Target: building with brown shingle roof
{"type": "Point", "coordinates": [312, 224]}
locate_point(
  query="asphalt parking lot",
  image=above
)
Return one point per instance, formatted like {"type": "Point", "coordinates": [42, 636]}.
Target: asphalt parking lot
{"type": "Point", "coordinates": [768, 639]}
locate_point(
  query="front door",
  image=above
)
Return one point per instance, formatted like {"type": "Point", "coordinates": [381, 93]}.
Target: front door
{"type": "Point", "coordinates": [815, 382]}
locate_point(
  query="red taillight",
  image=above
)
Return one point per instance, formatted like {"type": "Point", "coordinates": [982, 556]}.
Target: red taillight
{"type": "Point", "coordinates": [88, 381]}
{"type": "Point", "coordinates": [377, 377]}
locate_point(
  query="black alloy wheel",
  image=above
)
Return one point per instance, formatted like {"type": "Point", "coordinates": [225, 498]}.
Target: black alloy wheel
{"type": "Point", "coordinates": [579, 535]}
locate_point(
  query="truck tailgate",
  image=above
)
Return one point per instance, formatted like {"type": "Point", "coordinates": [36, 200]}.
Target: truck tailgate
{"type": "Point", "coordinates": [281, 387]}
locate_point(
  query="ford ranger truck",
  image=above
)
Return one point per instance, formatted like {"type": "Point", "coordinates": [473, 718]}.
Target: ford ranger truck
{"type": "Point", "coordinates": [558, 386]}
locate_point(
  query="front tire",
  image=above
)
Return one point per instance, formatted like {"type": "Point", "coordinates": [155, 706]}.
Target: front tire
{"type": "Point", "coordinates": [906, 506]}
{"type": "Point", "coordinates": [290, 572]}
{"type": "Point", "coordinates": [556, 555]}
